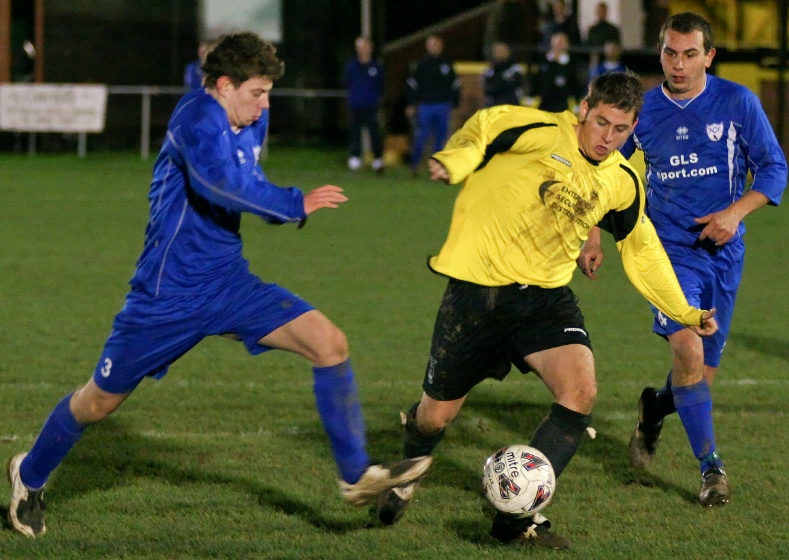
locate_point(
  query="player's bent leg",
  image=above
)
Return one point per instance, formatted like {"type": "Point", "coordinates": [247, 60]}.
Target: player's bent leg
{"type": "Point", "coordinates": [91, 403]}
{"type": "Point", "coordinates": [361, 481]}
{"type": "Point", "coordinates": [313, 336]}
{"type": "Point", "coordinates": [568, 371]}
{"type": "Point", "coordinates": [646, 436]}
{"type": "Point", "coordinates": [423, 428]}
{"type": "Point", "coordinates": [28, 472]}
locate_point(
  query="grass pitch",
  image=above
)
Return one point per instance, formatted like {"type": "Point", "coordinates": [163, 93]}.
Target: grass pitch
{"type": "Point", "coordinates": [225, 457]}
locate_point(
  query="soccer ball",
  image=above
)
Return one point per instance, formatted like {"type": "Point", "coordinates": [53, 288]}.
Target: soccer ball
{"type": "Point", "coordinates": [518, 479]}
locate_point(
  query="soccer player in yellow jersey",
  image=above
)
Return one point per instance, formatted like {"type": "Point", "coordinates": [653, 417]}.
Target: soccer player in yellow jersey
{"type": "Point", "coordinates": [534, 183]}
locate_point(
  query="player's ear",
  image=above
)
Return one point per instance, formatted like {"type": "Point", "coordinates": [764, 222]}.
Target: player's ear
{"type": "Point", "coordinates": [224, 84]}
{"type": "Point", "coordinates": [710, 54]}
{"type": "Point", "coordinates": [583, 110]}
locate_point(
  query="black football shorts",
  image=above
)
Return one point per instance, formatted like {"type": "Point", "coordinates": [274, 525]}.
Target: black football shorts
{"type": "Point", "coordinates": [481, 332]}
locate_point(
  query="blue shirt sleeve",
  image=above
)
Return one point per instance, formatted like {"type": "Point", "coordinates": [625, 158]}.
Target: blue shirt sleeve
{"type": "Point", "coordinates": [765, 156]}
{"type": "Point", "coordinates": [629, 147]}
{"type": "Point", "coordinates": [210, 154]}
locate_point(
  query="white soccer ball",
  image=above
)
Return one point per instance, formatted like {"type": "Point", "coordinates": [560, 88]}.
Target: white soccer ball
{"type": "Point", "coordinates": [518, 479]}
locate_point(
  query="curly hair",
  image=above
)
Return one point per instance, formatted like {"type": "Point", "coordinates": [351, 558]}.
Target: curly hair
{"type": "Point", "coordinates": [622, 90]}
{"type": "Point", "coordinates": [241, 56]}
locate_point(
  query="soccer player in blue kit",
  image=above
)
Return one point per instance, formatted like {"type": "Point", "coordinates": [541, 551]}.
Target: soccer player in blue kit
{"type": "Point", "coordinates": [701, 135]}
{"type": "Point", "coordinates": [192, 281]}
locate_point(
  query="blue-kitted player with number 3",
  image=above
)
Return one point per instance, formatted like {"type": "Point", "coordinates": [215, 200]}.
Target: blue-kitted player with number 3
{"type": "Point", "coordinates": [701, 136]}
{"type": "Point", "coordinates": [192, 282]}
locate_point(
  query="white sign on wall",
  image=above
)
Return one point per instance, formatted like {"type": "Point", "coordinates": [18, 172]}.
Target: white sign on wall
{"type": "Point", "coordinates": [53, 107]}
{"type": "Point", "coordinates": [263, 17]}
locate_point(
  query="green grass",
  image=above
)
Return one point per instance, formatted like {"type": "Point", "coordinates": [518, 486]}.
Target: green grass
{"type": "Point", "coordinates": [225, 457]}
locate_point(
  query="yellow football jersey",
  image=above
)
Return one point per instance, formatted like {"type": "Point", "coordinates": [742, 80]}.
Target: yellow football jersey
{"type": "Point", "coordinates": [528, 200]}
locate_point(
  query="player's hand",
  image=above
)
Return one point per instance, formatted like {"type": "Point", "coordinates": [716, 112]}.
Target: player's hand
{"type": "Point", "coordinates": [437, 170]}
{"type": "Point", "coordinates": [720, 226]}
{"type": "Point", "coordinates": [591, 257]}
{"type": "Point", "coordinates": [327, 196]}
{"type": "Point", "coordinates": [709, 325]}
{"type": "Point", "coordinates": [410, 111]}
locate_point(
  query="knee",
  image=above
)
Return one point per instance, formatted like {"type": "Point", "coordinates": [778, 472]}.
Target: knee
{"type": "Point", "coordinates": [581, 397]}
{"type": "Point", "coordinates": [332, 348]}
{"type": "Point", "coordinates": [433, 419]}
{"type": "Point", "coordinates": [89, 409]}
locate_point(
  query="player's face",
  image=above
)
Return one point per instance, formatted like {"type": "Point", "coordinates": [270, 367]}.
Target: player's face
{"type": "Point", "coordinates": [685, 63]}
{"type": "Point", "coordinates": [244, 104]}
{"type": "Point", "coordinates": [603, 129]}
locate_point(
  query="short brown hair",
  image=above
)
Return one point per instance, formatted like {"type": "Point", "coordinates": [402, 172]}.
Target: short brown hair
{"type": "Point", "coordinates": [622, 90]}
{"type": "Point", "coordinates": [240, 57]}
{"type": "Point", "coordinates": [686, 23]}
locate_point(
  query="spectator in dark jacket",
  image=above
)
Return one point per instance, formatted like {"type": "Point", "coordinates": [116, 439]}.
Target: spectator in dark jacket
{"type": "Point", "coordinates": [503, 81]}
{"type": "Point", "coordinates": [557, 80]}
{"type": "Point", "coordinates": [560, 19]}
{"type": "Point", "coordinates": [603, 31]}
{"type": "Point", "coordinates": [364, 81]}
{"type": "Point", "coordinates": [433, 90]}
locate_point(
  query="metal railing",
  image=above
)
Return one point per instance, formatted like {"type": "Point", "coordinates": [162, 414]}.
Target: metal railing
{"type": "Point", "coordinates": [146, 93]}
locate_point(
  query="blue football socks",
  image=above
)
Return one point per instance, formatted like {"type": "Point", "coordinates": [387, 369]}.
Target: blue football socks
{"type": "Point", "coordinates": [694, 405]}
{"type": "Point", "coordinates": [338, 405]}
{"type": "Point", "coordinates": [59, 434]}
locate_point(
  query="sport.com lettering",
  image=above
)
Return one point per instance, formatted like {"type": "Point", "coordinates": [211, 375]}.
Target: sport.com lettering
{"type": "Point", "coordinates": [684, 173]}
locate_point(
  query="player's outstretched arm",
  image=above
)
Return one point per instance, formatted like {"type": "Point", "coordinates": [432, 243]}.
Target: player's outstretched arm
{"type": "Point", "coordinates": [327, 196]}
{"type": "Point", "coordinates": [591, 257]}
{"type": "Point", "coordinates": [708, 326]}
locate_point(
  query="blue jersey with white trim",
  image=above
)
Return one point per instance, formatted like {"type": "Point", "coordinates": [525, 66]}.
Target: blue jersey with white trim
{"type": "Point", "coordinates": [698, 155]}
{"type": "Point", "coordinates": [205, 176]}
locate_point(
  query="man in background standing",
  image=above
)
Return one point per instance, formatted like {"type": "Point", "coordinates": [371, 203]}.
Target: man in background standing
{"type": "Point", "coordinates": [193, 73]}
{"type": "Point", "coordinates": [603, 31]}
{"type": "Point", "coordinates": [433, 90]}
{"type": "Point", "coordinates": [503, 80]}
{"type": "Point", "coordinates": [364, 81]}
{"type": "Point", "coordinates": [557, 80]}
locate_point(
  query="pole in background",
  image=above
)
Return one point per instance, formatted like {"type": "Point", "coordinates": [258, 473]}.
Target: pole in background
{"type": "Point", "coordinates": [366, 19]}
{"type": "Point", "coordinates": [5, 41]}
{"type": "Point", "coordinates": [38, 42]}
{"type": "Point", "coordinates": [783, 15]}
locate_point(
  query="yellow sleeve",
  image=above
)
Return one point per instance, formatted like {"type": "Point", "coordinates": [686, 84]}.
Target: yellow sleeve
{"type": "Point", "coordinates": [494, 131]}
{"type": "Point", "coordinates": [649, 270]}
{"type": "Point", "coordinates": [643, 257]}
{"type": "Point", "coordinates": [465, 149]}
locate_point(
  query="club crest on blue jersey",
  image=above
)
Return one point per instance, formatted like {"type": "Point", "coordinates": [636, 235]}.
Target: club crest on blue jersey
{"type": "Point", "coordinates": [715, 131]}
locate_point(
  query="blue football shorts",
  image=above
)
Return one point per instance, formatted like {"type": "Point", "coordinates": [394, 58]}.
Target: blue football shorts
{"type": "Point", "coordinates": [709, 278]}
{"type": "Point", "coordinates": [150, 333]}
